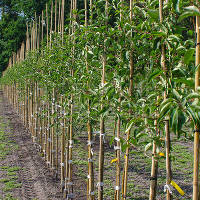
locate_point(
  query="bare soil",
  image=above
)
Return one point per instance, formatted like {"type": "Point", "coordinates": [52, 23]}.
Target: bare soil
{"type": "Point", "coordinates": [36, 179]}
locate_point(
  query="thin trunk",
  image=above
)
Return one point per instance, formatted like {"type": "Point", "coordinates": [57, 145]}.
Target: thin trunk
{"type": "Point", "coordinates": [154, 166]}
{"type": "Point", "coordinates": [62, 147]}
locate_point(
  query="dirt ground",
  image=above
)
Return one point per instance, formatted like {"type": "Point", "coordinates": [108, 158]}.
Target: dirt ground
{"type": "Point", "coordinates": [37, 182]}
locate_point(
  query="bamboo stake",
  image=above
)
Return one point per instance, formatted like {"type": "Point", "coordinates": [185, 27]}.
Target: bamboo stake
{"type": "Point", "coordinates": [196, 133]}
{"type": "Point", "coordinates": [90, 182]}
{"type": "Point", "coordinates": [154, 167]}
{"type": "Point", "coordinates": [102, 129]}
{"type": "Point", "coordinates": [70, 183]}
{"type": "Point", "coordinates": [38, 37]}
{"type": "Point", "coordinates": [36, 32]}
{"type": "Point", "coordinates": [55, 16]}
{"type": "Point", "coordinates": [47, 25]}
{"type": "Point", "coordinates": [59, 17]}
{"type": "Point", "coordinates": [53, 131]}
{"type": "Point", "coordinates": [118, 167]}
{"type": "Point", "coordinates": [167, 133]}
{"type": "Point", "coordinates": [42, 36]}
{"type": "Point", "coordinates": [131, 66]}
{"type": "Point", "coordinates": [62, 16]}
{"type": "Point", "coordinates": [51, 25]}
{"type": "Point", "coordinates": [63, 147]}
{"type": "Point", "coordinates": [48, 134]}
{"type": "Point", "coordinates": [66, 158]}
{"type": "Point", "coordinates": [57, 136]}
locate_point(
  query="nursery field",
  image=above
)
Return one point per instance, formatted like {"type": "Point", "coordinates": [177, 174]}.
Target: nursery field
{"type": "Point", "coordinates": [25, 176]}
{"type": "Point", "coordinates": [101, 101]}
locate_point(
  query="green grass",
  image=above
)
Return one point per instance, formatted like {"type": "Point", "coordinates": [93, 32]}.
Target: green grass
{"type": "Point", "coordinates": [9, 178]}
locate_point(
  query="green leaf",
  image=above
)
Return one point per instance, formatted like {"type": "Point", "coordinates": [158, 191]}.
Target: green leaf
{"type": "Point", "coordinates": [159, 34]}
{"type": "Point", "coordinates": [176, 94]}
{"type": "Point", "coordinates": [190, 11]}
{"type": "Point", "coordinates": [189, 55]}
{"type": "Point", "coordinates": [176, 5]}
{"type": "Point", "coordinates": [166, 101]}
{"type": "Point", "coordinates": [193, 96]}
{"type": "Point", "coordinates": [147, 147]}
{"type": "Point", "coordinates": [153, 14]}
{"type": "Point", "coordinates": [155, 74]}
{"type": "Point", "coordinates": [165, 110]}
{"type": "Point", "coordinates": [129, 125]}
{"type": "Point", "coordinates": [192, 114]}
{"type": "Point", "coordinates": [187, 82]}
{"type": "Point", "coordinates": [175, 120]}
{"type": "Point", "coordinates": [112, 140]}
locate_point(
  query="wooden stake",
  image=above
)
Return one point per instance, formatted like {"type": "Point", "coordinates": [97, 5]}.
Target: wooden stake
{"type": "Point", "coordinates": [102, 129]}
{"type": "Point", "coordinates": [62, 17]}
{"type": "Point", "coordinates": [55, 16]}
{"type": "Point", "coordinates": [90, 183]}
{"type": "Point", "coordinates": [38, 37]}
{"type": "Point", "coordinates": [154, 167]}
{"type": "Point", "coordinates": [47, 25]}
{"type": "Point", "coordinates": [131, 66]}
{"type": "Point", "coordinates": [63, 147]}
{"type": "Point", "coordinates": [59, 17]}
{"type": "Point", "coordinates": [196, 133]}
{"type": "Point", "coordinates": [167, 133]}
{"type": "Point", "coordinates": [42, 23]}
{"type": "Point", "coordinates": [51, 25]}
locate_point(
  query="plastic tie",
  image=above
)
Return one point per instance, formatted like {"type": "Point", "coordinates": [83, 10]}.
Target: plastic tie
{"type": "Point", "coordinates": [69, 183]}
{"type": "Point", "coordinates": [167, 187]}
{"type": "Point", "coordinates": [96, 132]}
{"type": "Point", "coordinates": [69, 161]}
{"type": "Point", "coordinates": [89, 143]}
{"type": "Point", "coordinates": [100, 184]}
{"type": "Point", "coordinates": [62, 164]}
{"type": "Point", "coordinates": [103, 136]}
{"type": "Point", "coordinates": [117, 139]}
{"type": "Point", "coordinates": [92, 152]}
{"type": "Point", "coordinates": [71, 142]}
{"type": "Point", "coordinates": [91, 193]}
{"type": "Point", "coordinates": [117, 187]}
{"type": "Point", "coordinates": [71, 196]}
{"type": "Point", "coordinates": [116, 148]}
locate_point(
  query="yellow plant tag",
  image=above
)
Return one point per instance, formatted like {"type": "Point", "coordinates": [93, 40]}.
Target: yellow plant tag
{"type": "Point", "coordinates": [114, 160]}
{"type": "Point", "coordinates": [161, 154]}
{"type": "Point", "coordinates": [124, 156]}
{"type": "Point", "coordinates": [181, 192]}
